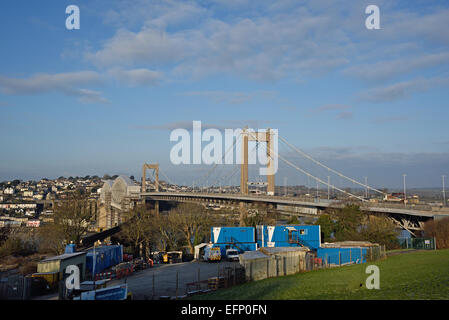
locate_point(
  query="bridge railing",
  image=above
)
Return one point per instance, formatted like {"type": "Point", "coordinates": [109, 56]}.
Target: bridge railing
{"type": "Point", "coordinates": [325, 202]}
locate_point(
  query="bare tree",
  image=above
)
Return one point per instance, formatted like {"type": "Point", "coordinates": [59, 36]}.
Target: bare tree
{"type": "Point", "coordinates": [73, 217]}
{"type": "Point", "coordinates": [191, 220]}
{"type": "Point", "coordinates": [139, 227]}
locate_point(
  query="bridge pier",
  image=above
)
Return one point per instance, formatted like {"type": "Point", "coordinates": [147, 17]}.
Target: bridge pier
{"type": "Point", "coordinates": [243, 213]}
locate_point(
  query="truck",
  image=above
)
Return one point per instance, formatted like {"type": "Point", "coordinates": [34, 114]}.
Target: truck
{"type": "Point", "coordinates": [232, 255]}
{"type": "Point", "coordinates": [212, 254]}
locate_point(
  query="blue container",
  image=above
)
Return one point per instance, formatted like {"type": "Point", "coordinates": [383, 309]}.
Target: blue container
{"type": "Point", "coordinates": [240, 238]}
{"type": "Point", "coordinates": [232, 234]}
{"type": "Point", "coordinates": [105, 257]}
{"type": "Point", "coordinates": [240, 247]}
{"type": "Point", "coordinates": [289, 236]}
{"type": "Point", "coordinates": [343, 255]}
{"type": "Point", "coordinates": [70, 248]}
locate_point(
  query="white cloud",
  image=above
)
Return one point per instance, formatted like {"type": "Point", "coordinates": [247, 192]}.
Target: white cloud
{"type": "Point", "coordinates": [65, 83]}
{"type": "Point", "coordinates": [47, 82]}
{"type": "Point", "coordinates": [402, 89]}
{"type": "Point", "coordinates": [387, 69]}
{"type": "Point", "coordinates": [135, 77]}
{"type": "Point", "coordinates": [229, 97]}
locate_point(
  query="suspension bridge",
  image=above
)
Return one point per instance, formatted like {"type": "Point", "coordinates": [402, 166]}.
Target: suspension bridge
{"type": "Point", "coordinates": [223, 192]}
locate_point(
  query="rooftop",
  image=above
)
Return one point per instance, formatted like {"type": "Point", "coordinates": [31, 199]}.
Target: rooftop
{"type": "Point", "coordinates": [64, 256]}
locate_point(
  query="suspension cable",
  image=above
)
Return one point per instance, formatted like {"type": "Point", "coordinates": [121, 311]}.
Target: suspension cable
{"type": "Point", "coordinates": [328, 168]}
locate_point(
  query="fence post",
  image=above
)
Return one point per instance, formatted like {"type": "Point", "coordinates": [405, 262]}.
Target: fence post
{"type": "Point", "coordinates": [153, 286]}
{"type": "Point", "coordinates": [361, 255]}
{"type": "Point", "coordinates": [435, 243]}
{"type": "Point", "coordinates": [350, 255]}
{"type": "Point", "coordinates": [176, 285]}
{"type": "Point", "coordinates": [327, 264]}
{"type": "Point", "coordinates": [235, 274]}
{"type": "Point", "coordinates": [268, 268]}
{"type": "Point", "coordinates": [339, 257]}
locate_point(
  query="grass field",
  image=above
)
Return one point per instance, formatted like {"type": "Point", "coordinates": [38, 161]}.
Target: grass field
{"type": "Point", "coordinates": [416, 275]}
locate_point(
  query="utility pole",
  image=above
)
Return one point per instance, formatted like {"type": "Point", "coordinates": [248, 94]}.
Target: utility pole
{"type": "Point", "coordinates": [328, 187]}
{"type": "Point", "coordinates": [366, 187]}
{"type": "Point", "coordinates": [405, 191]}
{"type": "Point", "coordinates": [444, 192]}
{"type": "Point", "coordinates": [317, 196]}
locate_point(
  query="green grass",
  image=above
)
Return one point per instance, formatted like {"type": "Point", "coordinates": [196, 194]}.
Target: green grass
{"type": "Point", "coordinates": [417, 275]}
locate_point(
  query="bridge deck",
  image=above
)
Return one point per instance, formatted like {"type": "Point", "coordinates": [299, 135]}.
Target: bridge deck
{"type": "Point", "coordinates": [383, 208]}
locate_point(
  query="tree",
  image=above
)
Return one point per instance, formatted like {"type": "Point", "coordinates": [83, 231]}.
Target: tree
{"type": "Point", "coordinates": [347, 222]}
{"type": "Point", "coordinates": [139, 228]}
{"type": "Point", "coordinates": [327, 227]}
{"type": "Point", "coordinates": [440, 230]}
{"type": "Point", "coordinates": [52, 239]}
{"type": "Point", "coordinates": [379, 229]}
{"type": "Point", "coordinates": [71, 221]}
{"type": "Point", "coordinates": [191, 220]}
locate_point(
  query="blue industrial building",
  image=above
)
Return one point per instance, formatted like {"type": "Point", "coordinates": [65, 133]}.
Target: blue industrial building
{"type": "Point", "coordinates": [309, 236]}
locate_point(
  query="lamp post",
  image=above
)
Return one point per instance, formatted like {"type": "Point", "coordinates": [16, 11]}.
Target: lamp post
{"type": "Point", "coordinates": [405, 191]}
{"type": "Point", "coordinates": [366, 187]}
{"type": "Point", "coordinates": [444, 191]}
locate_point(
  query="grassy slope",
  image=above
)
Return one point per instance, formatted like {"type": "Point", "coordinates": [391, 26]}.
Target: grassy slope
{"type": "Point", "coordinates": [417, 275]}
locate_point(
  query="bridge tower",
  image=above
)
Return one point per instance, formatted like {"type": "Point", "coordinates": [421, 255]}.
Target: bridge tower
{"type": "Point", "coordinates": [263, 136]}
{"type": "Point", "coordinates": [154, 167]}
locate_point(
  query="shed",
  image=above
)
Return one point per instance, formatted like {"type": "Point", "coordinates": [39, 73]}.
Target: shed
{"type": "Point", "coordinates": [198, 249]}
{"type": "Point", "coordinates": [273, 262]}
{"type": "Point", "coordinates": [60, 263]}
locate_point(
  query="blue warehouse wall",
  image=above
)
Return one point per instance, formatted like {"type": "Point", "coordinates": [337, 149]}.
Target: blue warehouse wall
{"type": "Point", "coordinates": [232, 234]}
{"type": "Point", "coordinates": [289, 236]}
{"type": "Point", "coordinates": [342, 255]}
{"type": "Point", "coordinates": [105, 257]}
{"type": "Point", "coordinates": [240, 238]}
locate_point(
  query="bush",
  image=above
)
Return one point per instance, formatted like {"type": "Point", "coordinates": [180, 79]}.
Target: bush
{"type": "Point", "coordinates": [17, 247]}
{"type": "Point", "coordinates": [438, 229]}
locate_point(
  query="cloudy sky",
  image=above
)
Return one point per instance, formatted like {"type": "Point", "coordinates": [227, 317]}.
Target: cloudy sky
{"type": "Point", "coordinates": [104, 98]}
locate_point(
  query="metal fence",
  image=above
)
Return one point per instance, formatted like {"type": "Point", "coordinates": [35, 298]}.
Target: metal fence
{"type": "Point", "coordinates": [418, 243]}
{"type": "Point", "coordinates": [12, 287]}
{"type": "Point", "coordinates": [282, 265]}
{"type": "Point", "coordinates": [181, 285]}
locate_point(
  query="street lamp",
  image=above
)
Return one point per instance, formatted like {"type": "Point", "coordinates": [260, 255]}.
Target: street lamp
{"type": "Point", "coordinates": [444, 192]}
{"type": "Point", "coordinates": [366, 187]}
{"type": "Point", "coordinates": [405, 191]}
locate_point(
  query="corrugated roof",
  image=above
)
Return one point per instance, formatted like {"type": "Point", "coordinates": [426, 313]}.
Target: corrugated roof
{"type": "Point", "coordinates": [283, 249]}
{"type": "Point", "coordinates": [249, 255]}
{"type": "Point", "coordinates": [63, 256]}
{"type": "Point", "coordinates": [348, 244]}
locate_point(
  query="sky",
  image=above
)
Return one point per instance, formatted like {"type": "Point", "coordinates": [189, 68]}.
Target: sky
{"type": "Point", "coordinates": [105, 98]}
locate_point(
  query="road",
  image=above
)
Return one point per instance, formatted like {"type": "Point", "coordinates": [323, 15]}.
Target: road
{"type": "Point", "coordinates": [141, 283]}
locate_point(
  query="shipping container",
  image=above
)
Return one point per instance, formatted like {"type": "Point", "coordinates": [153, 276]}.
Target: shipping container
{"type": "Point", "coordinates": [289, 236]}
{"type": "Point", "coordinates": [105, 257]}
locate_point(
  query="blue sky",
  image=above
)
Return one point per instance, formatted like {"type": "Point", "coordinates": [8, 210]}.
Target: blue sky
{"type": "Point", "coordinates": [104, 98]}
